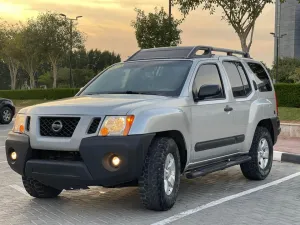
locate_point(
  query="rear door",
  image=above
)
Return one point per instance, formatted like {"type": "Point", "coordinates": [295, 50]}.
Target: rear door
{"type": "Point", "coordinates": [243, 95]}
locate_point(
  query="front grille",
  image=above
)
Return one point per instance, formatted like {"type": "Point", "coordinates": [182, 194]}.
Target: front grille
{"type": "Point", "coordinates": [69, 125]}
{"type": "Point", "coordinates": [56, 155]}
{"type": "Point", "coordinates": [94, 126]}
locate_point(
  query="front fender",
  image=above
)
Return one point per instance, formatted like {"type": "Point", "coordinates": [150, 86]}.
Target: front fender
{"type": "Point", "coordinates": [164, 119]}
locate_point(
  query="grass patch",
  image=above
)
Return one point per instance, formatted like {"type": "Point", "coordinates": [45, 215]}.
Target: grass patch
{"type": "Point", "coordinates": [289, 114]}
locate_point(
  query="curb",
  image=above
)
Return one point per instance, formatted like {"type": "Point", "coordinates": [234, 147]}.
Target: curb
{"type": "Point", "coordinates": [290, 130]}
{"type": "Point", "coordinates": [286, 157]}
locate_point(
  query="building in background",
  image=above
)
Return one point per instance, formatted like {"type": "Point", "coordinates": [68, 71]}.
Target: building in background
{"type": "Point", "coordinates": [287, 29]}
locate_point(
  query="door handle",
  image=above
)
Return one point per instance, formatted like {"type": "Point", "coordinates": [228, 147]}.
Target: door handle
{"type": "Point", "coordinates": [228, 108]}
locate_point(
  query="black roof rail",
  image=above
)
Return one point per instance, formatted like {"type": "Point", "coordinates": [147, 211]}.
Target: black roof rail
{"type": "Point", "coordinates": [182, 53]}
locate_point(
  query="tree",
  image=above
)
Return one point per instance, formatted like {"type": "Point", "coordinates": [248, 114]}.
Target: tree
{"type": "Point", "coordinates": [30, 56]}
{"type": "Point", "coordinates": [296, 75]}
{"type": "Point", "coordinates": [93, 59]}
{"type": "Point", "coordinates": [9, 50]}
{"type": "Point", "coordinates": [240, 14]}
{"type": "Point", "coordinates": [81, 77]}
{"type": "Point", "coordinates": [45, 79]}
{"type": "Point", "coordinates": [54, 39]}
{"type": "Point", "coordinates": [156, 29]}
{"type": "Point", "coordinates": [4, 76]}
{"type": "Point", "coordinates": [288, 69]}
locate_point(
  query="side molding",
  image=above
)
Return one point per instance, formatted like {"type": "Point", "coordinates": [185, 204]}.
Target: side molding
{"type": "Point", "coordinates": [202, 146]}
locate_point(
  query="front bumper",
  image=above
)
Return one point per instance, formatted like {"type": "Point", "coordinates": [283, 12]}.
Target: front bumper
{"type": "Point", "coordinates": [86, 170]}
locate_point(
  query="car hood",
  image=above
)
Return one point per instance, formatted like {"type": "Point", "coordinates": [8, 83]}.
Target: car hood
{"type": "Point", "coordinates": [94, 105]}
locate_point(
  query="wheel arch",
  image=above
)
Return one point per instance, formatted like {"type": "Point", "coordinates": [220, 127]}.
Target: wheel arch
{"type": "Point", "coordinates": [267, 123]}
{"type": "Point", "coordinates": [178, 137]}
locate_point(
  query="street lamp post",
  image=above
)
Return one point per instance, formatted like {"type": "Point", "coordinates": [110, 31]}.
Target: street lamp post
{"type": "Point", "coordinates": [71, 44]}
{"type": "Point", "coordinates": [170, 20]}
{"type": "Point", "coordinates": [277, 38]}
{"type": "Point", "coordinates": [170, 9]}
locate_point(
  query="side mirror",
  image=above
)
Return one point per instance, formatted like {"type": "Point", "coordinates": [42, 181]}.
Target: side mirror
{"type": "Point", "coordinates": [210, 90]}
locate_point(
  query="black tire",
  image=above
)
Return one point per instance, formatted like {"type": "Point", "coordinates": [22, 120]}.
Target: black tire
{"type": "Point", "coordinates": [39, 190]}
{"type": "Point", "coordinates": [252, 169]}
{"type": "Point", "coordinates": [2, 119]}
{"type": "Point", "coordinates": [151, 183]}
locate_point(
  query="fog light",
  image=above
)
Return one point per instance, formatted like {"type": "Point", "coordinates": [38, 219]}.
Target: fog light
{"type": "Point", "coordinates": [115, 161]}
{"type": "Point", "coordinates": [13, 156]}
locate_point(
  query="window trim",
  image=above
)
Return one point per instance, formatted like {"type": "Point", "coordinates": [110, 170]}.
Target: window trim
{"type": "Point", "coordinates": [220, 76]}
{"type": "Point", "coordinates": [247, 77]}
{"type": "Point", "coordinates": [266, 71]}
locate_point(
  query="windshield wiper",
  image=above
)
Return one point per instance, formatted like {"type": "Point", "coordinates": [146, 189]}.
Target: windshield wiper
{"type": "Point", "coordinates": [93, 93]}
{"type": "Point", "coordinates": [138, 93]}
{"type": "Point", "coordinates": [124, 92]}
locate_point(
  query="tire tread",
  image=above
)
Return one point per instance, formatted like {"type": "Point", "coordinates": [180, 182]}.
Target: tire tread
{"type": "Point", "coordinates": [39, 190]}
{"type": "Point", "coordinates": [251, 169]}
{"type": "Point", "coordinates": [150, 185]}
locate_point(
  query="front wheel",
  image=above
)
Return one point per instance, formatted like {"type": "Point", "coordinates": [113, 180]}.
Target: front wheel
{"type": "Point", "coordinates": [38, 190]}
{"type": "Point", "coordinates": [159, 183]}
{"type": "Point", "coordinates": [261, 153]}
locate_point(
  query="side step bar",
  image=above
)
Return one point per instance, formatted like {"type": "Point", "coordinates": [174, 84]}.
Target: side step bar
{"type": "Point", "coordinates": [202, 171]}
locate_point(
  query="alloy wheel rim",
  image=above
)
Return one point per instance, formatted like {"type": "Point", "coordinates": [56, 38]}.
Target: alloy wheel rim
{"type": "Point", "coordinates": [6, 115]}
{"type": "Point", "coordinates": [169, 174]}
{"type": "Point", "coordinates": [263, 153]}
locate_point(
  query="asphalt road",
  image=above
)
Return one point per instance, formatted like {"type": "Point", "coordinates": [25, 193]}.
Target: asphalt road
{"type": "Point", "coordinates": [224, 197]}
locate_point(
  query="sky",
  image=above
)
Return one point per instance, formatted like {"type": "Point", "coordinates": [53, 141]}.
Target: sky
{"type": "Point", "coordinates": [107, 24]}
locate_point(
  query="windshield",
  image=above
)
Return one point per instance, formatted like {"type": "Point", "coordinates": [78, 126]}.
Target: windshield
{"type": "Point", "coordinates": [154, 78]}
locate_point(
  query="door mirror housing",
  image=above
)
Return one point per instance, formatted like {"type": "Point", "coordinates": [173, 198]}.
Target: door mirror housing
{"type": "Point", "coordinates": [210, 90]}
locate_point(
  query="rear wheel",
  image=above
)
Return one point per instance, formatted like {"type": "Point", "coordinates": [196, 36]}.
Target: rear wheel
{"type": "Point", "coordinates": [261, 153]}
{"type": "Point", "coordinates": [6, 115]}
{"type": "Point", "coordinates": [39, 190]}
{"type": "Point", "coordinates": [159, 183]}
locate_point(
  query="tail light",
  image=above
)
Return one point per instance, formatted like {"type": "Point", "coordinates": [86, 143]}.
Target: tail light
{"type": "Point", "coordinates": [276, 104]}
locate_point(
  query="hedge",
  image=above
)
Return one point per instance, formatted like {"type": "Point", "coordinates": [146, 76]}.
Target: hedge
{"type": "Point", "coordinates": [288, 95]}
{"type": "Point", "coordinates": [49, 94]}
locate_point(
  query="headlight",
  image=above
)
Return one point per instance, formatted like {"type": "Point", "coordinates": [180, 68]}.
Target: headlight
{"type": "Point", "coordinates": [116, 125]}
{"type": "Point", "coordinates": [19, 126]}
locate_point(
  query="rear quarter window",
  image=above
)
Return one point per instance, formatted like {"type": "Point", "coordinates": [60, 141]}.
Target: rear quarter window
{"type": "Point", "coordinates": [262, 77]}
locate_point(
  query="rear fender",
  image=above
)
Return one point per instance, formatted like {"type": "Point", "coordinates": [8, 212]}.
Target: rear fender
{"type": "Point", "coordinates": [260, 109]}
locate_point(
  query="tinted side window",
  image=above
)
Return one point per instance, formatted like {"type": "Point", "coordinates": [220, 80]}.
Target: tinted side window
{"type": "Point", "coordinates": [244, 78]}
{"type": "Point", "coordinates": [265, 84]}
{"type": "Point", "coordinates": [208, 75]}
{"type": "Point", "coordinates": [238, 79]}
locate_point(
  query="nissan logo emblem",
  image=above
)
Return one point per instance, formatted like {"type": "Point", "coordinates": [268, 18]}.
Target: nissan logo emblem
{"type": "Point", "coordinates": [57, 126]}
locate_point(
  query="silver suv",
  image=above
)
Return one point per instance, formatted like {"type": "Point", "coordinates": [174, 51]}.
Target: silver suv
{"type": "Point", "coordinates": [163, 113]}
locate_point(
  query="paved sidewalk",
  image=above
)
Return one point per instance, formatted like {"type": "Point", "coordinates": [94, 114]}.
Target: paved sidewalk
{"type": "Point", "coordinates": [288, 145]}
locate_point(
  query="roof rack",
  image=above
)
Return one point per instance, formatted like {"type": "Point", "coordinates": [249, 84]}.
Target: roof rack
{"type": "Point", "coordinates": [182, 53]}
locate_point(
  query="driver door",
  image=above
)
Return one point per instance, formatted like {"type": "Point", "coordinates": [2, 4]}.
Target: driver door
{"type": "Point", "coordinates": [212, 119]}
